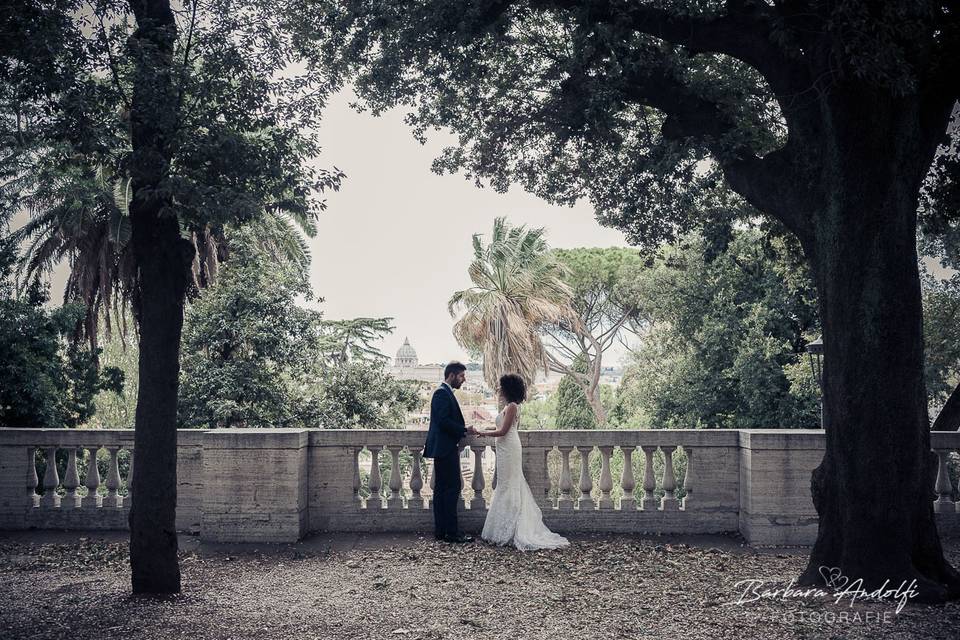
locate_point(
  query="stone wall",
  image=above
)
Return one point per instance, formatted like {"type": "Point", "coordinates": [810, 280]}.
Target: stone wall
{"type": "Point", "coordinates": [278, 485]}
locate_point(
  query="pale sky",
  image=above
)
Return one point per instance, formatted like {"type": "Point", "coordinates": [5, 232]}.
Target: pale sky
{"type": "Point", "coordinates": [396, 239]}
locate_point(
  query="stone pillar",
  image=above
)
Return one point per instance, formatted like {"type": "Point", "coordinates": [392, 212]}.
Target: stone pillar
{"type": "Point", "coordinates": [394, 500]}
{"type": "Point", "coordinates": [606, 480]}
{"type": "Point", "coordinates": [943, 486]}
{"type": "Point", "coordinates": [71, 482]}
{"type": "Point", "coordinates": [51, 480]}
{"type": "Point", "coordinates": [416, 481]}
{"type": "Point", "coordinates": [776, 507]}
{"type": "Point", "coordinates": [255, 485]}
{"type": "Point", "coordinates": [113, 499]}
{"type": "Point", "coordinates": [648, 503]}
{"type": "Point", "coordinates": [479, 482]}
{"type": "Point", "coordinates": [92, 480]}
{"type": "Point", "coordinates": [585, 501]}
{"type": "Point", "coordinates": [18, 484]}
{"type": "Point", "coordinates": [627, 482]}
{"type": "Point", "coordinates": [565, 502]}
{"type": "Point", "coordinates": [535, 471]}
{"type": "Point", "coordinates": [669, 483]}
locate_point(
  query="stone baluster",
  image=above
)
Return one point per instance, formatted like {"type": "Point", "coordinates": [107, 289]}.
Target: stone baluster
{"type": "Point", "coordinates": [628, 502]}
{"type": "Point", "coordinates": [416, 482]}
{"type": "Point", "coordinates": [356, 473]}
{"type": "Point", "coordinates": [395, 483]}
{"type": "Point", "coordinates": [545, 501]}
{"type": "Point", "coordinates": [71, 481]}
{"type": "Point", "coordinates": [687, 477]}
{"type": "Point", "coordinates": [944, 489]}
{"type": "Point", "coordinates": [585, 501]}
{"type": "Point", "coordinates": [463, 498]}
{"type": "Point", "coordinates": [669, 500]}
{"type": "Point", "coordinates": [606, 480]}
{"type": "Point", "coordinates": [566, 481]}
{"type": "Point", "coordinates": [478, 482]}
{"type": "Point", "coordinates": [113, 499]}
{"type": "Point", "coordinates": [51, 480]}
{"type": "Point", "coordinates": [128, 499]}
{"type": "Point", "coordinates": [649, 482]}
{"type": "Point", "coordinates": [374, 501]}
{"type": "Point", "coordinates": [32, 480]}
{"type": "Point", "coordinates": [92, 481]}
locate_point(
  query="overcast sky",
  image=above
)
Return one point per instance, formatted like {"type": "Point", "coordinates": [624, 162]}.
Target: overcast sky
{"type": "Point", "coordinates": [396, 239]}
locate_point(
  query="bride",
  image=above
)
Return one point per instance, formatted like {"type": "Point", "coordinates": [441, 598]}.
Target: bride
{"type": "Point", "coordinates": [514, 517]}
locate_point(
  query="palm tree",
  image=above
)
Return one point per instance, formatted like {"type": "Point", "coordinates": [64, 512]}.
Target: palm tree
{"type": "Point", "coordinates": [80, 213]}
{"type": "Point", "coordinates": [518, 287]}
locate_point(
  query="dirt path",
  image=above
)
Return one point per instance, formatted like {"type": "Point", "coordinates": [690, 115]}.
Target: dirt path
{"type": "Point", "coordinates": [351, 587]}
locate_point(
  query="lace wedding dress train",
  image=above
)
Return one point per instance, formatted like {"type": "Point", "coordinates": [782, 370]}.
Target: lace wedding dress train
{"type": "Point", "coordinates": [514, 516]}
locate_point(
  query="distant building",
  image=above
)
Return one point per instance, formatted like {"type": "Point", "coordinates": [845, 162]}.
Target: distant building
{"type": "Point", "coordinates": [406, 356]}
{"type": "Point", "coordinates": [406, 366]}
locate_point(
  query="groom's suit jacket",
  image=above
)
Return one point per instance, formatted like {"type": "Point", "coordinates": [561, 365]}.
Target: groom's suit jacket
{"type": "Point", "coordinates": [447, 426]}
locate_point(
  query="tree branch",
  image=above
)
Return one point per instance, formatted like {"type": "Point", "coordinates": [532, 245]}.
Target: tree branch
{"type": "Point", "coordinates": [113, 63]}
{"type": "Point", "coordinates": [949, 417]}
{"type": "Point", "coordinates": [745, 33]}
{"type": "Point", "coordinates": [764, 182]}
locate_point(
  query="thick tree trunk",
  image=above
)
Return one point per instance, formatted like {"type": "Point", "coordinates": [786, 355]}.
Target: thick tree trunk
{"type": "Point", "coordinates": [164, 262]}
{"type": "Point", "coordinates": [874, 489]}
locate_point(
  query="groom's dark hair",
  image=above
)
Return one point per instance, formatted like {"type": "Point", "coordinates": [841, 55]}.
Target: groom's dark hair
{"type": "Point", "coordinates": [453, 367]}
{"type": "Point", "coordinates": [513, 387]}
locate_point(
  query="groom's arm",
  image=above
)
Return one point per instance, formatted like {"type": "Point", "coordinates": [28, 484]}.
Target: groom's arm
{"type": "Point", "coordinates": [440, 407]}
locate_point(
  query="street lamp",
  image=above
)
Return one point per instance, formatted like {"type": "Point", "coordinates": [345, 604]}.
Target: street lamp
{"type": "Point", "coordinates": [815, 353]}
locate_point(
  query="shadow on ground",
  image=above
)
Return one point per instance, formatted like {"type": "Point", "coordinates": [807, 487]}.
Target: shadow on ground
{"type": "Point", "coordinates": [332, 586]}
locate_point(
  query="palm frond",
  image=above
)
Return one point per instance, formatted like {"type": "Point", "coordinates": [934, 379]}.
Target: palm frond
{"type": "Point", "coordinates": [517, 288]}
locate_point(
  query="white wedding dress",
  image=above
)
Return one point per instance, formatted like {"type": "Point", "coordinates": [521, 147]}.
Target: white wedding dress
{"type": "Point", "coordinates": [514, 516]}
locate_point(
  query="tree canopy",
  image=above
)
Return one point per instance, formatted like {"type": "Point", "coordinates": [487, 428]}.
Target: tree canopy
{"type": "Point", "coordinates": [728, 338]}
{"type": "Point", "coordinates": [45, 383]}
{"type": "Point", "coordinates": [254, 357]}
{"type": "Point", "coordinates": [606, 299]}
{"type": "Point", "coordinates": [244, 134]}
{"type": "Point", "coordinates": [824, 117]}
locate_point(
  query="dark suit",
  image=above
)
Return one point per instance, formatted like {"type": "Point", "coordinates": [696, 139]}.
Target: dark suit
{"type": "Point", "coordinates": [447, 427]}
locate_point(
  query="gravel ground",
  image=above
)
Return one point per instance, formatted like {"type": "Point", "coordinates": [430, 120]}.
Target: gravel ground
{"type": "Point", "coordinates": [409, 587]}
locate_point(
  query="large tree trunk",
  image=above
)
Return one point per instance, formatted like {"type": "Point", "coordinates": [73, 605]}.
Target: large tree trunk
{"type": "Point", "coordinates": [874, 489]}
{"type": "Point", "coordinates": [163, 259]}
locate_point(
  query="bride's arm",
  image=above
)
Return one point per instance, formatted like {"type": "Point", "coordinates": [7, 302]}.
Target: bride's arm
{"type": "Point", "coordinates": [509, 417]}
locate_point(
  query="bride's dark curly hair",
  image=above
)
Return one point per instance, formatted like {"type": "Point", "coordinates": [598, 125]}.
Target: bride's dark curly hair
{"type": "Point", "coordinates": [513, 387]}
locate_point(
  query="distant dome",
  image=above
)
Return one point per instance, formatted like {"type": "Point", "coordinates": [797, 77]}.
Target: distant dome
{"type": "Point", "coordinates": [406, 355]}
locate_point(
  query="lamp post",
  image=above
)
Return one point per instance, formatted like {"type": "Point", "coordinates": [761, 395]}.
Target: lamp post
{"type": "Point", "coordinates": [815, 353]}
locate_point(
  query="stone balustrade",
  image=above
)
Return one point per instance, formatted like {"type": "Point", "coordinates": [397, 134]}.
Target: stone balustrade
{"type": "Point", "coordinates": [273, 485]}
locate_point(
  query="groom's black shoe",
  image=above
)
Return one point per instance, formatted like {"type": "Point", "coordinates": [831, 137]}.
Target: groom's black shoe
{"type": "Point", "coordinates": [458, 538]}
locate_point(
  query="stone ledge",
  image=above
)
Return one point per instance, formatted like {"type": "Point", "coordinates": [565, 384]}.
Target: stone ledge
{"type": "Point", "coordinates": [782, 439]}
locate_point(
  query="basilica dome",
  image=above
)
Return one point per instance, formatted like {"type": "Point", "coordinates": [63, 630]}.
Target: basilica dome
{"type": "Point", "coordinates": [406, 355]}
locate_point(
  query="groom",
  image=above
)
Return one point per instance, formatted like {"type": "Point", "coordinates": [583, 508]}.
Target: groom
{"type": "Point", "coordinates": [446, 429]}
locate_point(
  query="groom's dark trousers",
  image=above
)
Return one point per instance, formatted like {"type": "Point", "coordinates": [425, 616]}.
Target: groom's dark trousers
{"type": "Point", "coordinates": [447, 427]}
